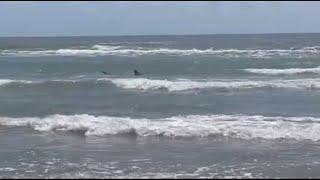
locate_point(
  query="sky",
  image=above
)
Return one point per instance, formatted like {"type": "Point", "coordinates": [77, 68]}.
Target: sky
{"type": "Point", "coordinates": [87, 18]}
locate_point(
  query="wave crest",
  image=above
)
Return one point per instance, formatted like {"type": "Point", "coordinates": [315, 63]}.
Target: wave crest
{"type": "Point", "coordinates": [178, 85]}
{"type": "Point", "coordinates": [102, 50]}
{"type": "Point", "coordinates": [233, 126]}
{"type": "Point", "coordinates": [289, 71]}
{"type": "Point", "coordinates": [182, 84]}
{"type": "Point", "coordinates": [9, 81]}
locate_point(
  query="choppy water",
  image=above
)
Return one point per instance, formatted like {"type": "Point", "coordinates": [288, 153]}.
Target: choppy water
{"type": "Point", "coordinates": [214, 106]}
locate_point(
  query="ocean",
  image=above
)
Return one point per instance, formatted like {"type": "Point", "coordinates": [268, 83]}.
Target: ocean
{"type": "Point", "coordinates": [204, 106]}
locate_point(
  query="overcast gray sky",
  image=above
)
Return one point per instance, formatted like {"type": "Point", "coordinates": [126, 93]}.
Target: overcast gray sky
{"type": "Point", "coordinates": [156, 18]}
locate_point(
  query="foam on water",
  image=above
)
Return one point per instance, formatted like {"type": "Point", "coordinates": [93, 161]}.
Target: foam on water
{"type": "Point", "coordinates": [5, 81]}
{"type": "Point", "coordinates": [233, 126]}
{"type": "Point", "coordinates": [102, 50]}
{"type": "Point", "coordinates": [179, 85]}
{"type": "Point", "coordinates": [289, 71]}
{"type": "Point", "coordinates": [9, 81]}
{"type": "Point", "coordinates": [185, 84]}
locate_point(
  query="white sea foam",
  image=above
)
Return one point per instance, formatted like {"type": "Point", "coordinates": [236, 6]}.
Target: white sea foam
{"type": "Point", "coordinates": [4, 82]}
{"type": "Point", "coordinates": [289, 71]}
{"type": "Point", "coordinates": [187, 84]}
{"type": "Point", "coordinates": [218, 125]}
{"type": "Point", "coordinates": [178, 85]}
{"type": "Point", "coordinates": [9, 81]}
{"type": "Point", "coordinates": [101, 50]}
{"type": "Point", "coordinates": [139, 42]}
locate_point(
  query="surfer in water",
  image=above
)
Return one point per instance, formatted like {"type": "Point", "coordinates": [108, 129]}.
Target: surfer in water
{"type": "Point", "coordinates": [136, 72]}
{"type": "Point", "coordinates": [104, 72]}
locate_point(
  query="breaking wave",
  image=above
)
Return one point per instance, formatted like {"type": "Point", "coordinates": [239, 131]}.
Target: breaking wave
{"type": "Point", "coordinates": [6, 82]}
{"type": "Point", "coordinates": [103, 50]}
{"type": "Point", "coordinates": [218, 125]}
{"type": "Point", "coordinates": [183, 85]}
{"type": "Point", "coordinates": [289, 71]}
{"type": "Point", "coordinates": [179, 84]}
{"type": "Point", "coordinates": [9, 81]}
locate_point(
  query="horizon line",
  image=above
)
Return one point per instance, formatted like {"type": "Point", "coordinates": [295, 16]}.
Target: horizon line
{"type": "Point", "coordinates": [55, 36]}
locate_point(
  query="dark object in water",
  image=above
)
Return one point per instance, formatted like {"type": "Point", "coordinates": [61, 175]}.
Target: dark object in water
{"type": "Point", "coordinates": [136, 73]}
{"type": "Point", "coordinates": [104, 72]}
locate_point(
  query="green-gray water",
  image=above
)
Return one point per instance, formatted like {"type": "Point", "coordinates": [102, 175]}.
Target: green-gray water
{"type": "Point", "coordinates": [203, 106]}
